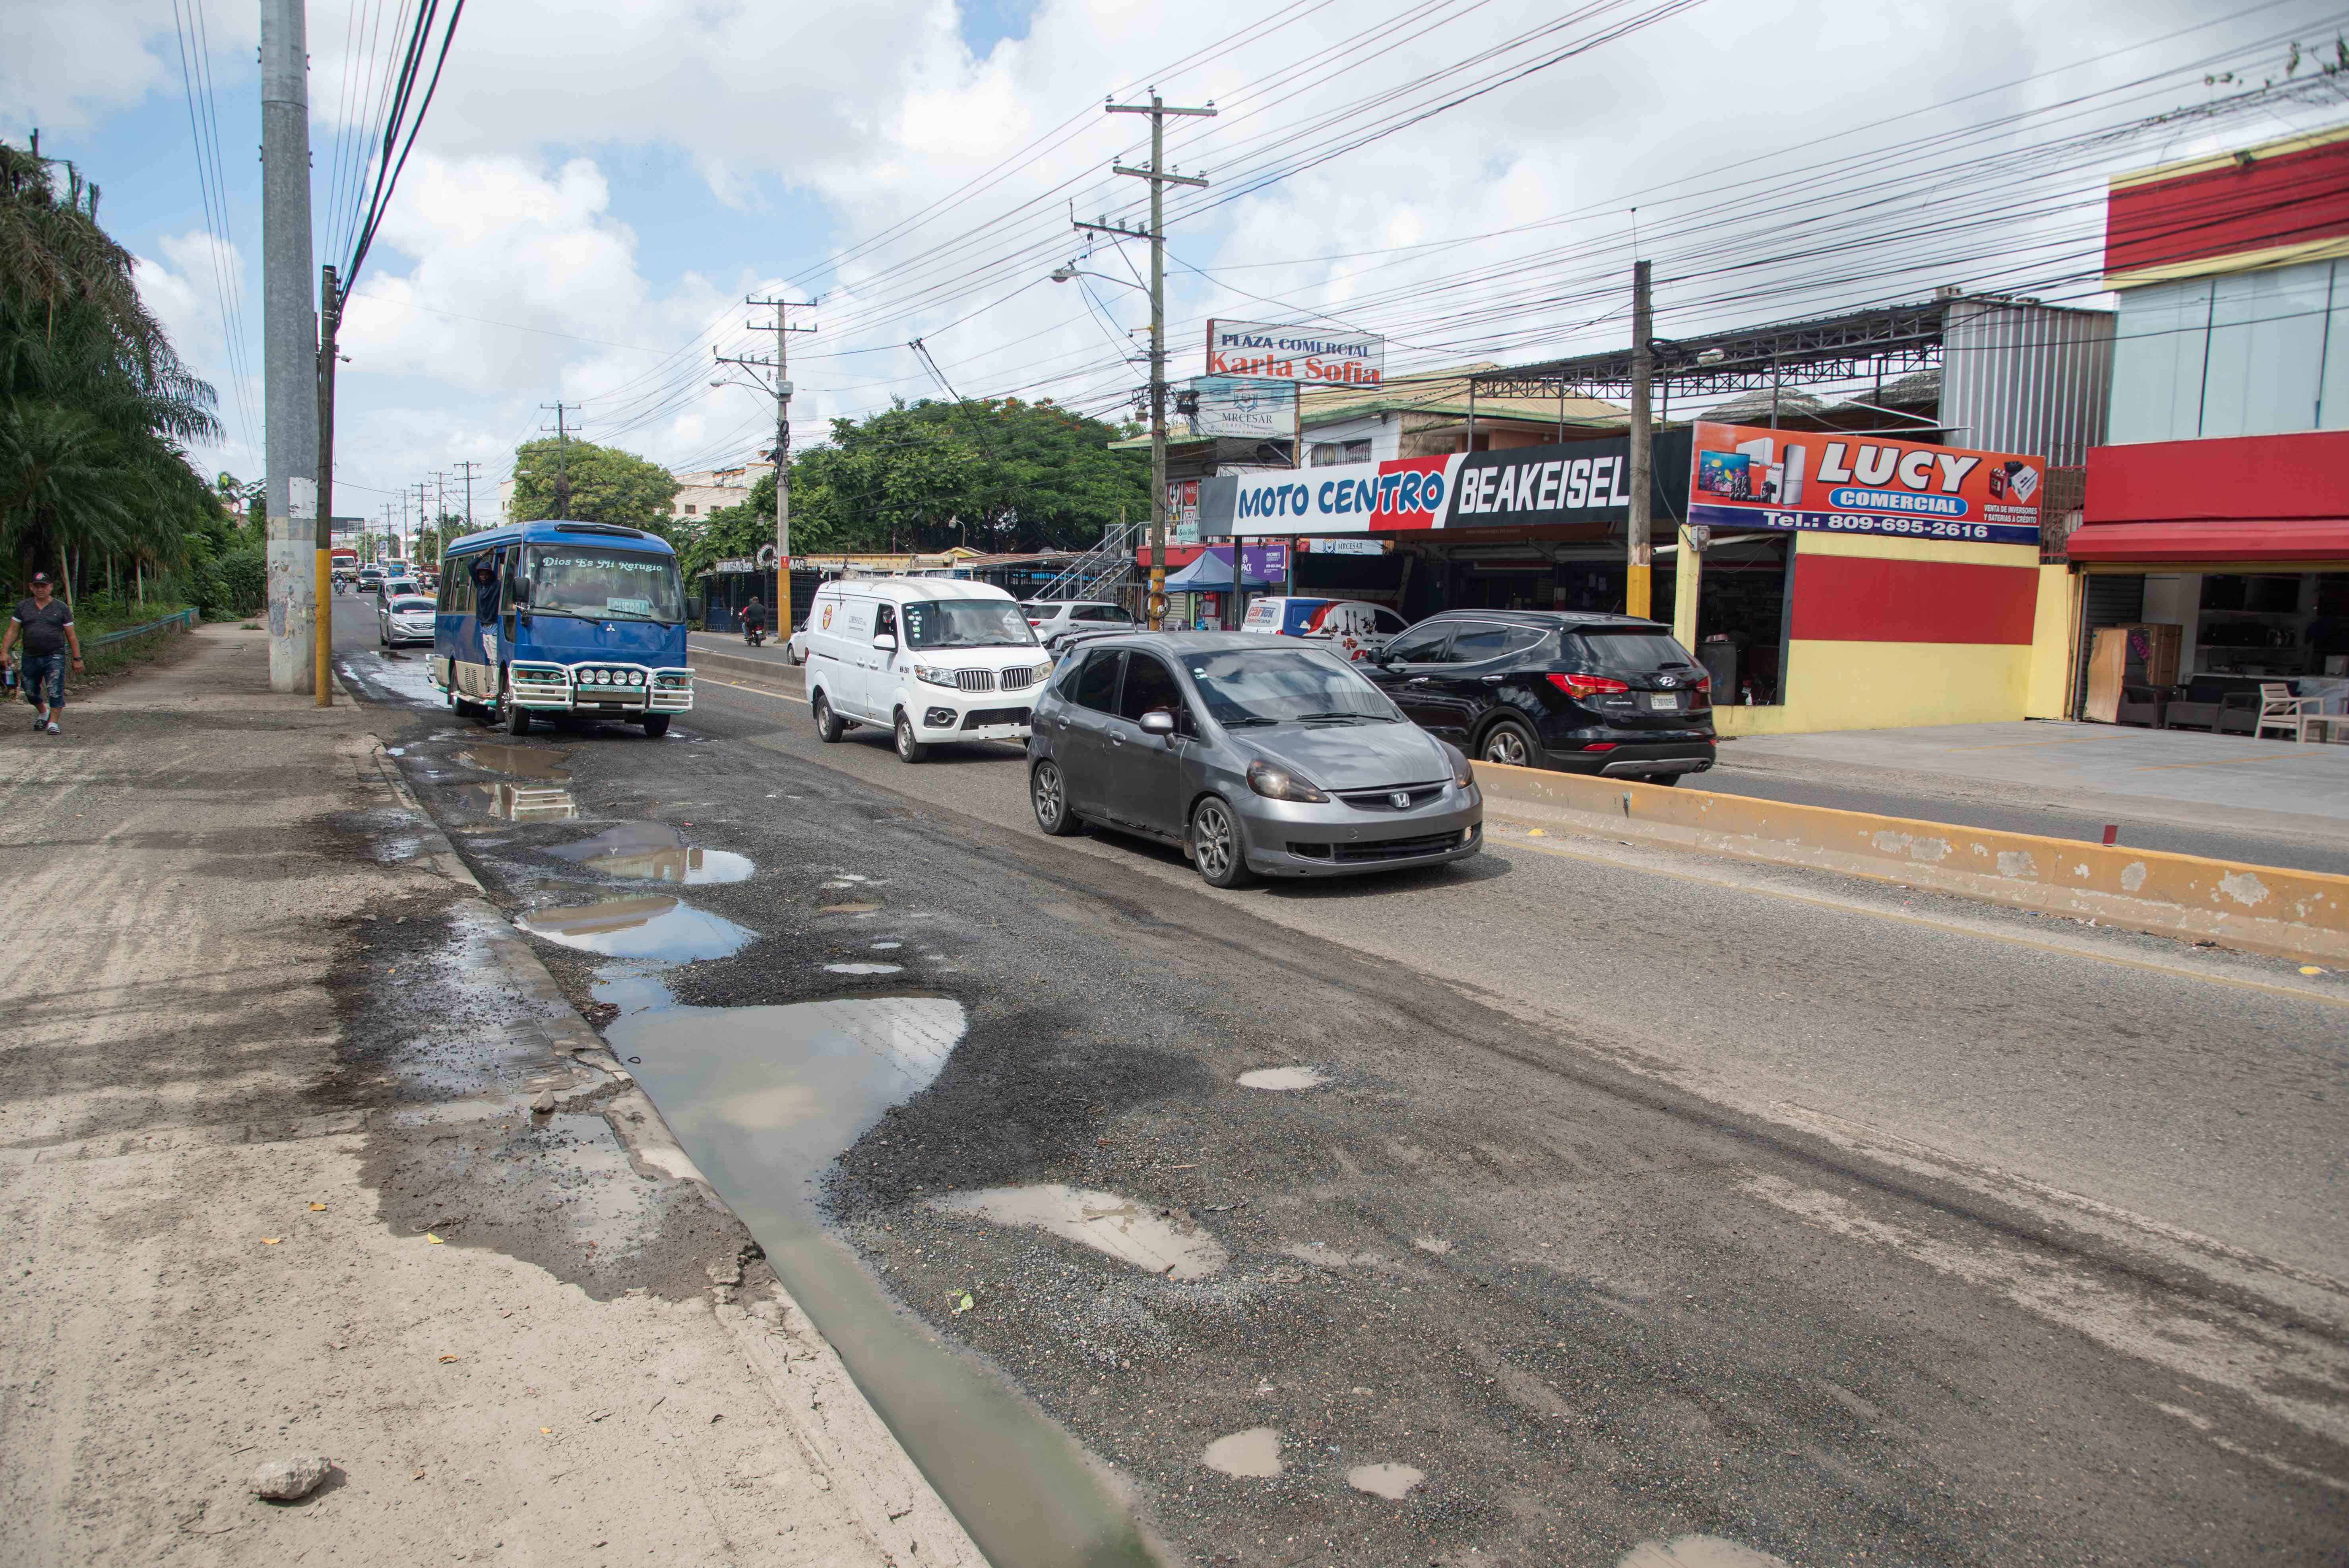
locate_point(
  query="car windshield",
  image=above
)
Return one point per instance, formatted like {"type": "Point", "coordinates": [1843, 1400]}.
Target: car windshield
{"type": "Point", "coordinates": [604, 584]}
{"type": "Point", "coordinates": [1633, 650]}
{"type": "Point", "coordinates": [410, 604]}
{"type": "Point", "coordinates": [966, 624]}
{"type": "Point", "coordinates": [1287, 687]}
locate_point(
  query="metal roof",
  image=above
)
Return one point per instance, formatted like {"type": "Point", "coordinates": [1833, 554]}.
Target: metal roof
{"type": "Point", "coordinates": [1853, 345]}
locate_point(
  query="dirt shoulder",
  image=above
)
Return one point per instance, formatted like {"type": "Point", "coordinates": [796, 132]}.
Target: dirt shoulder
{"type": "Point", "coordinates": [274, 1187]}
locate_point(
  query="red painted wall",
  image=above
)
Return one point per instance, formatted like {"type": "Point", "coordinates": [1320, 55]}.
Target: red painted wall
{"type": "Point", "coordinates": [1856, 599]}
{"type": "Point", "coordinates": [2253, 477]}
{"type": "Point", "coordinates": [2286, 198]}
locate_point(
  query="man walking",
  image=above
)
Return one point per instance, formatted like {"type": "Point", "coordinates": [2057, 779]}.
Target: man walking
{"type": "Point", "coordinates": [47, 625]}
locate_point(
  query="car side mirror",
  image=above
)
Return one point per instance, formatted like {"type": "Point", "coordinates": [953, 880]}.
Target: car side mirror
{"type": "Point", "coordinates": [885, 639]}
{"type": "Point", "coordinates": [522, 590]}
{"type": "Point", "coordinates": [1158, 721]}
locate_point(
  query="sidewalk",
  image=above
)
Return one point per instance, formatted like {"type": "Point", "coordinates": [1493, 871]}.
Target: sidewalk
{"type": "Point", "coordinates": [273, 1187]}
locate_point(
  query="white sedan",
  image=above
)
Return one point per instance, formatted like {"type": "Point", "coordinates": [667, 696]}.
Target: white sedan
{"type": "Point", "coordinates": [403, 618]}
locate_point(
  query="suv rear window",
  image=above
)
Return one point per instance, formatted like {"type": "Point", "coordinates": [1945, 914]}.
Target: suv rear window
{"type": "Point", "coordinates": [1630, 650]}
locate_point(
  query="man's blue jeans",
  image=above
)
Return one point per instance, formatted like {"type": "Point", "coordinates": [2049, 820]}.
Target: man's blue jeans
{"type": "Point", "coordinates": [48, 667]}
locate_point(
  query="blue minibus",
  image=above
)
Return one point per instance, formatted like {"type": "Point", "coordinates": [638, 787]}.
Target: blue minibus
{"type": "Point", "coordinates": [548, 618]}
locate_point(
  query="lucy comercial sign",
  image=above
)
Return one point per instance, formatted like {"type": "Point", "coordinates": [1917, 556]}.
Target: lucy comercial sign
{"type": "Point", "coordinates": [1575, 482]}
{"type": "Point", "coordinates": [1300, 353]}
{"type": "Point", "coordinates": [1742, 476]}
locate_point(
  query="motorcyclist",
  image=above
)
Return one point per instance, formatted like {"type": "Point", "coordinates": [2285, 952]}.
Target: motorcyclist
{"type": "Point", "coordinates": [754, 621]}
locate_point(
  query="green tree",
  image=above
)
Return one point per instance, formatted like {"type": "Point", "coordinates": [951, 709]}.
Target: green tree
{"type": "Point", "coordinates": [603, 484]}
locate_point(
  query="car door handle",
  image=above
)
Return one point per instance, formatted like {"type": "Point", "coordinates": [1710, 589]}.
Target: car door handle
{"type": "Point", "coordinates": [1494, 680]}
{"type": "Point", "coordinates": [1117, 741]}
{"type": "Point", "coordinates": [1416, 680]}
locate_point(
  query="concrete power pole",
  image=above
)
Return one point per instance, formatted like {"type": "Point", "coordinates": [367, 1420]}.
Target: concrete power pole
{"type": "Point", "coordinates": [469, 467]}
{"type": "Point", "coordinates": [781, 365]}
{"type": "Point", "coordinates": [1638, 571]}
{"type": "Point", "coordinates": [1159, 180]}
{"type": "Point", "coordinates": [561, 457]}
{"type": "Point", "coordinates": [330, 316]}
{"type": "Point", "coordinates": [290, 346]}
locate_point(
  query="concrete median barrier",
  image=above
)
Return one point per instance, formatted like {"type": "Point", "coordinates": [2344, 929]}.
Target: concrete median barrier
{"type": "Point", "coordinates": [744, 666]}
{"type": "Point", "coordinates": [2260, 909]}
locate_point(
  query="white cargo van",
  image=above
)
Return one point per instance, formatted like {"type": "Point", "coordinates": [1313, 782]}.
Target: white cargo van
{"type": "Point", "coordinates": [933, 658]}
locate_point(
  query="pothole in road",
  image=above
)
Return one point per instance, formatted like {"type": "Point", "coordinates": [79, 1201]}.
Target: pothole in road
{"type": "Point", "coordinates": [1391, 1481]}
{"type": "Point", "coordinates": [522, 761]}
{"type": "Point", "coordinates": [654, 852]}
{"type": "Point", "coordinates": [1134, 1233]}
{"type": "Point", "coordinates": [1254, 1454]}
{"type": "Point", "coordinates": [1697, 1551]}
{"type": "Point", "coordinates": [1283, 1079]}
{"type": "Point", "coordinates": [520, 802]}
{"type": "Point", "coordinates": [653, 925]}
{"type": "Point", "coordinates": [863, 968]}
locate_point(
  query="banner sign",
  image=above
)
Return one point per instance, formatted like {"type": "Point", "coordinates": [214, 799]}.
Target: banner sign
{"type": "Point", "coordinates": [1571, 483]}
{"type": "Point", "coordinates": [1742, 476]}
{"type": "Point", "coordinates": [1242, 407]}
{"type": "Point", "coordinates": [1266, 353]}
{"type": "Point", "coordinates": [1345, 546]}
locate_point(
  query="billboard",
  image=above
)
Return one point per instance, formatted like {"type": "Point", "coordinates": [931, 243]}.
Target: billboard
{"type": "Point", "coordinates": [1571, 483]}
{"type": "Point", "coordinates": [1298, 354]}
{"type": "Point", "coordinates": [1742, 476]}
{"type": "Point", "coordinates": [1242, 407]}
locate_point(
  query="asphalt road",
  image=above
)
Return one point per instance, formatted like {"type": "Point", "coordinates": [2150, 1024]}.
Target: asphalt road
{"type": "Point", "coordinates": [1640, 1196]}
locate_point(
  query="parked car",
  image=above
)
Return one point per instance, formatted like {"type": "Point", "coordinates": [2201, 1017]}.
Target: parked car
{"type": "Point", "coordinates": [1354, 628]}
{"type": "Point", "coordinates": [403, 618]}
{"type": "Point", "coordinates": [934, 658]}
{"type": "Point", "coordinates": [1052, 619]}
{"type": "Point", "coordinates": [1544, 688]}
{"type": "Point", "coordinates": [1255, 758]}
{"type": "Point", "coordinates": [795, 647]}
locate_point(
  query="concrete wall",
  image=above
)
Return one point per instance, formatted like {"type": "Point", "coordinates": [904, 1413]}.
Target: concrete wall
{"type": "Point", "coordinates": [2049, 691]}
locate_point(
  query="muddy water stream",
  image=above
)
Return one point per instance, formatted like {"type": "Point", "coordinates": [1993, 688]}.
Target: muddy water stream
{"type": "Point", "coordinates": [764, 1099]}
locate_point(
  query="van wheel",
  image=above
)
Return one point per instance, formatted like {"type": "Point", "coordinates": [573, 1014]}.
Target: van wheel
{"type": "Point", "coordinates": [1216, 845]}
{"type": "Point", "coordinates": [1510, 744]}
{"type": "Point", "coordinates": [1048, 793]}
{"type": "Point", "coordinates": [828, 728]}
{"type": "Point", "coordinates": [656, 725]}
{"type": "Point", "coordinates": [908, 748]}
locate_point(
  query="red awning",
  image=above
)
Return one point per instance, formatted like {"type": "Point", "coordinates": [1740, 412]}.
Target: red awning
{"type": "Point", "coordinates": [2203, 538]}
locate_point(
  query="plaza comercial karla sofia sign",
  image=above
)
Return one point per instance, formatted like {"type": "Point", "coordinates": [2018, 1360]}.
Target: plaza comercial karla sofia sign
{"type": "Point", "coordinates": [1306, 355]}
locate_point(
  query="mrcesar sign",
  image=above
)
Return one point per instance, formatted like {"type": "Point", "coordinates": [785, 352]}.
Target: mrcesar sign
{"type": "Point", "coordinates": [1266, 353]}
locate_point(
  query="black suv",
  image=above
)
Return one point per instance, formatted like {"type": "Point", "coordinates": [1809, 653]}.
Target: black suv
{"type": "Point", "coordinates": [1542, 688]}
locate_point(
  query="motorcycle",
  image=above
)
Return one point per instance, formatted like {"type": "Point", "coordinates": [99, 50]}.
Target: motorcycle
{"type": "Point", "coordinates": [754, 633]}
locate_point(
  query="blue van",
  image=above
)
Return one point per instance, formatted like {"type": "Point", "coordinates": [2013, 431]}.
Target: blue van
{"type": "Point", "coordinates": [584, 618]}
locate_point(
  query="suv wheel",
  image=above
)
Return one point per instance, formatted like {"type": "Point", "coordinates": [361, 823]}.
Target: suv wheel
{"type": "Point", "coordinates": [1216, 845]}
{"type": "Point", "coordinates": [1512, 744]}
{"type": "Point", "coordinates": [828, 728]}
{"type": "Point", "coordinates": [1048, 793]}
{"type": "Point", "coordinates": [908, 748]}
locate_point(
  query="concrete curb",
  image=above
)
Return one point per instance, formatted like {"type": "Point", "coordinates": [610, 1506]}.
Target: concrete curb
{"type": "Point", "coordinates": [813, 1392]}
{"type": "Point", "coordinates": [737, 667]}
{"type": "Point", "coordinates": [2302, 916]}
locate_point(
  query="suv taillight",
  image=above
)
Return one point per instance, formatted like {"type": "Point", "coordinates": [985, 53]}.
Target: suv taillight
{"type": "Point", "coordinates": [1586, 686]}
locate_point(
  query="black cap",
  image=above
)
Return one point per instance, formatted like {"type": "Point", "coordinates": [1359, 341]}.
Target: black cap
{"type": "Point", "coordinates": [40, 577]}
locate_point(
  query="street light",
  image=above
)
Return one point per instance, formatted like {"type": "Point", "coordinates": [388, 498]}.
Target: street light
{"type": "Point", "coordinates": [1068, 270]}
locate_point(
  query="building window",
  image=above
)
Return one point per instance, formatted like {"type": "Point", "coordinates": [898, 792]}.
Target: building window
{"type": "Point", "coordinates": [689, 508]}
{"type": "Point", "coordinates": [1327, 454]}
{"type": "Point", "coordinates": [2261, 352]}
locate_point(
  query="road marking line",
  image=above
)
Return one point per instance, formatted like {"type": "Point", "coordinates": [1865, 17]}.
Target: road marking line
{"type": "Point", "coordinates": [2175, 970]}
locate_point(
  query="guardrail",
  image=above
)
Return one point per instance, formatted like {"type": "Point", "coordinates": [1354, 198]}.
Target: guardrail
{"type": "Point", "coordinates": [2296, 915]}
{"type": "Point", "coordinates": [185, 619]}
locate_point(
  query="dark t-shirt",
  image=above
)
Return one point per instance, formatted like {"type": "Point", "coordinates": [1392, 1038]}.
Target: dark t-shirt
{"type": "Point", "coordinates": [45, 629]}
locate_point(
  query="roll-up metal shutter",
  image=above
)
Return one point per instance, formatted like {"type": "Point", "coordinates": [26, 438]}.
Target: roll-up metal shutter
{"type": "Point", "coordinates": [2112, 599]}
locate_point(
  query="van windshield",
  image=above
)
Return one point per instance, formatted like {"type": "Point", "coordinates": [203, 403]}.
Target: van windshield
{"type": "Point", "coordinates": [604, 585]}
{"type": "Point", "coordinates": [966, 624]}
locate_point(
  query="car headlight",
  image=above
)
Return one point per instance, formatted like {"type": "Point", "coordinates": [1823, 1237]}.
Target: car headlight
{"type": "Point", "coordinates": [1281, 784]}
{"type": "Point", "coordinates": [1464, 772]}
{"type": "Point", "coordinates": [936, 674]}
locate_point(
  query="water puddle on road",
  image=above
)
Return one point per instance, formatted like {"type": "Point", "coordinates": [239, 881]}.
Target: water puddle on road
{"type": "Point", "coordinates": [863, 968]}
{"type": "Point", "coordinates": [1390, 1481]}
{"type": "Point", "coordinates": [1697, 1551]}
{"type": "Point", "coordinates": [521, 761]}
{"type": "Point", "coordinates": [764, 1099]}
{"type": "Point", "coordinates": [520, 802]}
{"type": "Point", "coordinates": [1284, 1078]}
{"type": "Point", "coordinates": [1150, 1239]}
{"type": "Point", "coordinates": [1254, 1454]}
{"type": "Point", "coordinates": [652, 926]}
{"type": "Point", "coordinates": [654, 852]}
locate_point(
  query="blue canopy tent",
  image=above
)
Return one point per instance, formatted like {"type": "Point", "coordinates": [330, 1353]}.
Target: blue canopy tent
{"type": "Point", "coordinates": [1212, 573]}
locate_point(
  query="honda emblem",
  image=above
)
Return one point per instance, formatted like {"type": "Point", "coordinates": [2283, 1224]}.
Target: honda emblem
{"type": "Point", "coordinates": [1399, 799]}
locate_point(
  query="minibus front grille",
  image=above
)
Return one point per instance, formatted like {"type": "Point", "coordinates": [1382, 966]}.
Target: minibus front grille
{"type": "Point", "coordinates": [975, 680]}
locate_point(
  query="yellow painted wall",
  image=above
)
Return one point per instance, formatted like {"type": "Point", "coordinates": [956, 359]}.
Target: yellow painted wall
{"type": "Point", "coordinates": [2051, 644]}
{"type": "Point", "coordinates": [1886, 685]}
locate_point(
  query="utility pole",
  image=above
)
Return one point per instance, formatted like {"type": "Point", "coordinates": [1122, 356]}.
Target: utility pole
{"type": "Point", "coordinates": [1638, 570]}
{"type": "Point", "coordinates": [469, 467]}
{"type": "Point", "coordinates": [1159, 180]}
{"type": "Point", "coordinates": [407, 545]}
{"type": "Point", "coordinates": [330, 317]}
{"type": "Point", "coordinates": [561, 453]}
{"type": "Point", "coordinates": [439, 503]}
{"type": "Point", "coordinates": [781, 365]}
{"type": "Point", "coordinates": [290, 339]}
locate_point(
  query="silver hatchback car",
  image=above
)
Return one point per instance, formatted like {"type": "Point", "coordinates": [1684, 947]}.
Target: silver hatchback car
{"type": "Point", "coordinates": [1276, 761]}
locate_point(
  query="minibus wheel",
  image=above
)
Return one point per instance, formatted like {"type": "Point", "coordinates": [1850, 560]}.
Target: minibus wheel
{"type": "Point", "coordinates": [828, 725]}
{"type": "Point", "coordinates": [909, 750]}
{"type": "Point", "coordinates": [517, 716]}
{"type": "Point", "coordinates": [656, 725]}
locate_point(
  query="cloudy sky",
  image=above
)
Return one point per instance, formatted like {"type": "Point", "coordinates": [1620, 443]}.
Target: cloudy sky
{"type": "Point", "coordinates": [600, 184]}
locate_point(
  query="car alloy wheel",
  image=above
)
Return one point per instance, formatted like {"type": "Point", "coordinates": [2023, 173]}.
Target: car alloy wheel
{"type": "Point", "coordinates": [1215, 844]}
{"type": "Point", "coordinates": [1047, 793]}
{"type": "Point", "coordinates": [1509, 745]}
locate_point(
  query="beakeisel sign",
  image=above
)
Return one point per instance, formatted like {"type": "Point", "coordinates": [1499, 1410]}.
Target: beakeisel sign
{"type": "Point", "coordinates": [1268, 353]}
{"type": "Point", "coordinates": [1742, 477]}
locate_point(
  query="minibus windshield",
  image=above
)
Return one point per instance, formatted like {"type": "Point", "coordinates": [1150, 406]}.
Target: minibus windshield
{"type": "Point", "coordinates": [604, 585]}
{"type": "Point", "coordinates": [967, 624]}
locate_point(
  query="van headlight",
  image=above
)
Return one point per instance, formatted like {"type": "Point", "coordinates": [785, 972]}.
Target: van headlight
{"type": "Point", "coordinates": [1281, 784]}
{"type": "Point", "coordinates": [936, 675]}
